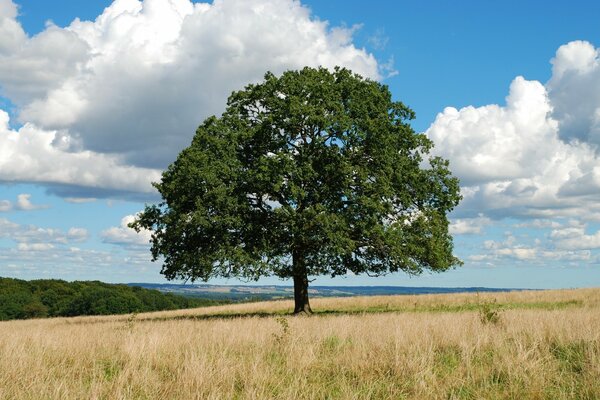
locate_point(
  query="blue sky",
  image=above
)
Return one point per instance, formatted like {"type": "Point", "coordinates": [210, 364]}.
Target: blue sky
{"type": "Point", "coordinates": [96, 102]}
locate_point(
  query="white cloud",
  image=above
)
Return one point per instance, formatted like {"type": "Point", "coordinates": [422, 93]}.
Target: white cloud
{"type": "Point", "coordinates": [30, 155]}
{"type": "Point", "coordinates": [539, 224]}
{"type": "Point", "coordinates": [33, 252]}
{"type": "Point", "coordinates": [494, 143]}
{"type": "Point", "coordinates": [574, 237]}
{"type": "Point", "coordinates": [50, 253]}
{"type": "Point", "coordinates": [11, 33]}
{"type": "Point", "coordinates": [536, 157]}
{"type": "Point", "coordinates": [520, 253]}
{"type": "Point", "coordinates": [8, 9]}
{"type": "Point", "coordinates": [27, 235]}
{"type": "Point", "coordinates": [574, 91]}
{"type": "Point", "coordinates": [27, 247]}
{"type": "Point", "coordinates": [32, 234]}
{"type": "Point", "coordinates": [77, 234]}
{"type": "Point", "coordinates": [138, 80]}
{"type": "Point", "coordinates": [31, 68]}
{"type": "Point", "coordinates": [24, 203]}
{"type": "Point", "coordinates": [536, 253]}
{"type": "Point", "coordinates": [7, 227]}
{"type": "Point", "coordinates": [79, 200]}
{"type": "Point", "coordinates": [469, 226]}
{"type": "Point", "coordinates": [126, 236]}
{"type": "Point", "coordinates": [511, 159]}
{"type": "Point", "coordinates": [5, 205]}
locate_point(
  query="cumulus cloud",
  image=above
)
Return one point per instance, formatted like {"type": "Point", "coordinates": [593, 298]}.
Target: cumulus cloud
{"type": "Point", "coordinates": [8, 9]}
{"type": "Point", "coordinates": [11, 33]}
{"type": "Point", "coordinates": [574, 91]}
{"type": "Point", "coordinates": [30, 155]}
{"type": "Point", "coordinates": [494, 143]}
{"type": "Point", "coordinates": [138, 80]}
{"type": "Point", "coordinates": [512, 159]}
{"type": "Point", "coordinates": [24, 203]}
{"type": "Point", "coordinates": [31, 68]}
{"type": "Point", "coordinates": [123, 235]}
{"type": "Point", "coordinates": [534, 158]}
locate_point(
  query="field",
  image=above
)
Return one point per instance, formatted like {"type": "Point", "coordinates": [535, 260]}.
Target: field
{"type": "Point", "coordinates": [517, 345]}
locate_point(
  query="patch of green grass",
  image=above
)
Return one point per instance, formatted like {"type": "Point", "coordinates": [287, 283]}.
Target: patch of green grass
{"type": "Point", "coordinates": [447, 359]}
{"type": "Point", "coordinates": [445, 308]}
{"type": "Point", "coordinates": [276, 359]}
{"type": "Point", "coordinates": [563, 386]}
{"type": "Point", "coordinates": [497, 377]}
{"type": "Point", "coordinates": [383, 389]}
{"type": "Point", "coordinates": [333, 344]}
{"type": "Point", "coordinates": [462, 391]}
{"type": "Point", "coordinates": [546, 305]}
{"type": "Point", "coordinates": [375, 309]}
{"type": "Point", "coordinates": [485, 356]}
{"type": "Point", "coordinates": [110, 368]}
{"type": "Point", "coordinates": [238, 387]}
{"type": "Point", "coordinates": [571, 356]}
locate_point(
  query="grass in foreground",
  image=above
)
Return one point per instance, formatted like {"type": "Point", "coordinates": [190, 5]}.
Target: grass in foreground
{"type": "Point", "coordinates": [545, 345]}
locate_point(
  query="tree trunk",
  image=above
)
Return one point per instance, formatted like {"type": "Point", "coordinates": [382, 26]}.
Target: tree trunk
{"type": "Point", "coordinates": [301, 304]}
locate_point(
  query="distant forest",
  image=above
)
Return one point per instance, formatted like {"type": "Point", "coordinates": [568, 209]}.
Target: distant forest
{"type": "Point", "coordinates": [21, 299]}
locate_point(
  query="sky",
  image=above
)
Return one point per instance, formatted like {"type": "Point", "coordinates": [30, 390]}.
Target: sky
{"type": "Point", "coordinates": [98, 97]}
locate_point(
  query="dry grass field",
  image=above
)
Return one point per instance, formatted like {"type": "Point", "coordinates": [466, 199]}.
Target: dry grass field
{"type": "Point", "coordinates": [519, 345]}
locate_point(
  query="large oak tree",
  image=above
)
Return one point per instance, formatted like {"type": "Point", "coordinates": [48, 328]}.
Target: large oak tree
{"type": "Point", "coordinates": [310, 173]}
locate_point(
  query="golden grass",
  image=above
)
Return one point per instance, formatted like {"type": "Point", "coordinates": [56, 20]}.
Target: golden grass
{"type": "Point", "coordinates": [546, 346]}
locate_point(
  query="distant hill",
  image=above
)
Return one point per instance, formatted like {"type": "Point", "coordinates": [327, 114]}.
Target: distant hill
{"type": "Point", "coordinates": [272, 292]}
{"type": "Point", "coordinates": [21, 299]}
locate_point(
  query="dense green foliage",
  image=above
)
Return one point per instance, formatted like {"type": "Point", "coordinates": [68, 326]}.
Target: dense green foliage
{"type": "Point", "coordinates": [21, 299]}
{"type": "Point", "coordinates": [310, 173]}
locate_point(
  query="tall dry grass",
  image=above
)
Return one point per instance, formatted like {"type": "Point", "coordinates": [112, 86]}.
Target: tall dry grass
{"type": "Point", "coordinates": [545, 346]}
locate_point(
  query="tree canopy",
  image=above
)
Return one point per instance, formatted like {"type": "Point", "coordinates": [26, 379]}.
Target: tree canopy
{"type": "Point", "coordinates": [21, 299]}
{"type": "Point", "coordinates": [314, 172]}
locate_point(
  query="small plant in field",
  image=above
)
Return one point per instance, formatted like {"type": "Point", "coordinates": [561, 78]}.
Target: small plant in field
{"type": "Point", "coordinates": [489, 312]}
{"type": "Point", "coordinates": [130, 322]}
{"type": "Point", "coordinates": [285, 330]}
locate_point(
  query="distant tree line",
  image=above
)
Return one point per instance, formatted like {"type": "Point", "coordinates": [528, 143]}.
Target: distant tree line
{"type": "Point", "coordinates": [21, 299]}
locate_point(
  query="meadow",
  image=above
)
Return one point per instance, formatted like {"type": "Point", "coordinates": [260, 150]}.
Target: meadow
{"type": "Point", "coordinates": [516, 345]}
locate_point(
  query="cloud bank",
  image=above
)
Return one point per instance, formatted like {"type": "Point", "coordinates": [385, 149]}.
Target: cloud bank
{"type": "Point", "coordinates": [535, 159]}
{"type": "Point", "coordinates": [128, 90]}
{"type": "Point", "coordinates": [31, 154]}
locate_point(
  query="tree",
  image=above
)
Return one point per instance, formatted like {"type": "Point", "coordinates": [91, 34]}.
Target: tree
{"type": "Point", "coordinates": [310, 173]}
